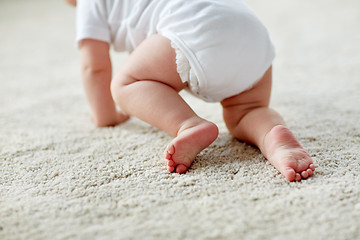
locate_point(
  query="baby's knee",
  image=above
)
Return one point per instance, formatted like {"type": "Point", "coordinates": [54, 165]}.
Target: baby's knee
{"type": "Point", "coordinates": [118, 83]}
{"type": "Point", "coordinates": [232, 116]}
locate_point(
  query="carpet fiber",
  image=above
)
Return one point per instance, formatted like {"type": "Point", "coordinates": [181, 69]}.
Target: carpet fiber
{"type": "Point", "coordinates": [62, 178]}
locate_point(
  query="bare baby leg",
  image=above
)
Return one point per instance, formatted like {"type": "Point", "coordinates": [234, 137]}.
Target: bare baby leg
{"type": "Point", "coordinates": [249, 119]}
{"type": "Point", "coordinates": [147, 87]}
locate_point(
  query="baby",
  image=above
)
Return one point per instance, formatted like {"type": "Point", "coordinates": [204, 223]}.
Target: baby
{"type": "Point", "coordinates": [218, 50]}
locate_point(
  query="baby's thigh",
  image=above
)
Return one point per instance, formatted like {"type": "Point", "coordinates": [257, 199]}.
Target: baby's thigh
{"type": "Point", "coordinates": [153, 60]}
{"type": "Point", "coordinates": [235, 107]}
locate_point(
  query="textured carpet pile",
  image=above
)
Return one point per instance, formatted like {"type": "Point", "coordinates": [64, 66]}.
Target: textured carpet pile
{"type": "Point", "coordinates": [62, 178]}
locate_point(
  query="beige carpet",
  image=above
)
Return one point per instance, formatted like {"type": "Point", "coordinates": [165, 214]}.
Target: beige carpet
{"type": "Point", "coordinates": [61, 178]}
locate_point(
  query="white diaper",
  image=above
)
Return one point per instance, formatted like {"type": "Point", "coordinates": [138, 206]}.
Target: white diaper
{"type": "Point", "coordinates": [222, 50]}
{"type": "Point", "coordinates": [187, 75]}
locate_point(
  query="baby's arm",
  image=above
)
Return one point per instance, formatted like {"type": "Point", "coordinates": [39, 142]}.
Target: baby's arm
{"type": "Point", "coordinates": [96, 75]}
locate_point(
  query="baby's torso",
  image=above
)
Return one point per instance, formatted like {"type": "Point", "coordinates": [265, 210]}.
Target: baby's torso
{"type": "Point", "coordinates": [131, 22]}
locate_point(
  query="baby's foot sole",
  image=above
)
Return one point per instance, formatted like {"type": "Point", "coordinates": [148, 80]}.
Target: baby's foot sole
{"type": "Point", "coordinates": [286, 154]}
{"type": "Point", "coordinates": [183, 149]}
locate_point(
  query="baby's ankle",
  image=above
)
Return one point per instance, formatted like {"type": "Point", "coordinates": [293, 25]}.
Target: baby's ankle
{"type": "Point", "coordinates": [191, 123]}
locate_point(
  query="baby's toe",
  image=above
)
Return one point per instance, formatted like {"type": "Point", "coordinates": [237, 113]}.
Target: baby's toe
{"type": "Point", "coordinates": [297, 177]}
{"type": "Point", "coordinates": [181, 168]}
{"type": "Point", "coordinates": [304, 174]}
{"type": "Point", "coordinates": [171, 163]}
{"type": "Point", "coordinates": [170, 149]}
{"type": "Point", "coordinates": [289, 173]}
{"type": "Point", "coordinates": [167, 155]}
{"type": "Point", "coordinates": [309, 171]}
{"type": "Point", "coordinates": [312, 167]}
{"type": "Point", "coordinates": [170, 169]}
